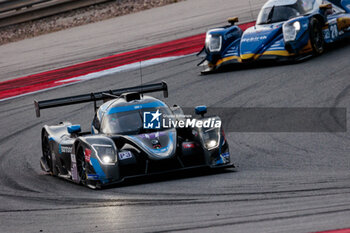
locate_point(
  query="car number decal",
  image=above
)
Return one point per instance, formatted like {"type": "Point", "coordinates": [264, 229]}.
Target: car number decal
{"type": "Point", "coordinates": [334, 33]}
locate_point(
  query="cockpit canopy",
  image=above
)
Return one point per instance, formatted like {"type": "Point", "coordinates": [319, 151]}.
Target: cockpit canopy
{"type": "Point", "coordinates": [132, 122]}
{"type": "Point", "coordinates": [275, 11]}
{"type": "Point", "coordinates": [128, 118]}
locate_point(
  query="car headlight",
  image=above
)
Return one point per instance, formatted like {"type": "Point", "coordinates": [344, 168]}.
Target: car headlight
{"type": "Point", "coordinates": [213, 42]}
{"type": "Point", "coordinates": [106, 154]}
{"type": "Point", "coordinates": [291, 30]}
{"type": "Point", "coordinates": [210, 136]}
{"type": "Point", "coordinates": [211, 144]}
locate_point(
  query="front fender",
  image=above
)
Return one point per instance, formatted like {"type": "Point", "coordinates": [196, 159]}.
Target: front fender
{"type": "Point", "coordinates": [229, 35]}
{"type": "Point", "coordinates": [96, 170]}
{"type": "Point", "coordinates": [56, 131]}
{"type": "Point", "coordinates": [302, 38]}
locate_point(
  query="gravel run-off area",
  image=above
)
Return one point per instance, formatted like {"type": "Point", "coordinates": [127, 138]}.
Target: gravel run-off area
{"type": "Point", "coordinates": [77, 17]}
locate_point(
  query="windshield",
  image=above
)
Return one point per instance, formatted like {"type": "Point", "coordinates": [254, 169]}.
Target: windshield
{"type": "Point", "coordinates": [280, 13]}
{"type": "Point", "coordinates": [130, 122]}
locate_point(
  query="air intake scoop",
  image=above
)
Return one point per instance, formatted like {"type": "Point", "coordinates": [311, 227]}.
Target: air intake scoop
{"type": "Point", "coordinates": [131, 96]}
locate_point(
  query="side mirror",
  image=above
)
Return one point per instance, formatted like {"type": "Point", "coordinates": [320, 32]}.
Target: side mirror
{"type": "Point", "coordinates": [201, 110]}
{"type": "Point", "coordinates": [74, 129]}
{"type": "Point", "coordinates": [233, 20]}
{"type": "Point", "coordinates": [96, 123]}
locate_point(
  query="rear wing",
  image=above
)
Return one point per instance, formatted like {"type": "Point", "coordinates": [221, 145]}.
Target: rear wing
{"type": "Point", "coordinates": [104, 95]}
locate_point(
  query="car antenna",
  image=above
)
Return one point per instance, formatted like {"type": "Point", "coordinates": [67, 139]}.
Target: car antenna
{"type": "Point", "coordinates": [251, 9]}
{"type": "Point", "coordinates": [141, 77]}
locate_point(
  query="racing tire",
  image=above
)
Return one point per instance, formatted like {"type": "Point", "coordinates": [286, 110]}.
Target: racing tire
{"type": "Point", "coordinates": [316, 37]}
{"type": "Point", "coordinates": [46, 151]}
{"type": "Point", "coordinates": [81, 165]}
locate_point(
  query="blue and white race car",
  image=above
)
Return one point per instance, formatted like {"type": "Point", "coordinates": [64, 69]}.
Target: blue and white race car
{"type": "Point", "coordinates": [285, 30]}
{"type": "Point", "coordinates": [128, 139]}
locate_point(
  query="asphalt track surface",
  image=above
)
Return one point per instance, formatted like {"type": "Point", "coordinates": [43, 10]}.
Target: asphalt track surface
{"type": "Point", "coordinates": [285, 182]}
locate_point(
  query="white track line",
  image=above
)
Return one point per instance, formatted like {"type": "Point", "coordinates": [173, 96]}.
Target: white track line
{"type": "Point", "coordinates": [99, 74]}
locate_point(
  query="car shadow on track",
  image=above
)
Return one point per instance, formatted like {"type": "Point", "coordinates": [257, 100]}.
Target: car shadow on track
{"type": "Point", "coordinates": [175, 175]}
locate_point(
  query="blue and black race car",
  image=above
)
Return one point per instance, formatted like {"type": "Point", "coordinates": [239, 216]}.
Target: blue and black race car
{"type": "Point", "coordinates": [285, 30]}
{"type": "Point", "coordinates": [131, 135]}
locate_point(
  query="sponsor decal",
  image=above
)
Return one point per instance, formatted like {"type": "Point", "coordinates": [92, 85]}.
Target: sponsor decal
{"type": "Point", "coordinates": [124, 155]}
{"type": "Point", "coordinates": [226, 155]}
{"type": "Point", "coordinates": [153, 135]}
{"type": "Point", "coordinates": [223, 159]}
{"type": "Point", "coordinates": [87, 153]}
{"type": "Point", "coordinates": [254, 39]}
{"type": "Point", "coordinates": [64, 149]}
{"type": "Point", "coordinates": [74, 171]}
{"type": "Point", "coordinates": [72, 158]}
{"type": "Point", "coordinates": [93, 177]}
{"type": "Point", "coordinates": [189, 145]}
{"type": "Point", "coordinates": [327, 34]}
{"type": "Point", "coordinates": [332, 32]}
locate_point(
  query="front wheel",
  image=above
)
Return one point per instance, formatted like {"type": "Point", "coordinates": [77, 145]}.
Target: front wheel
{"type": "Point", "coordinates": [82, 170]}
{"type": "Point", "coordinates": [316, 36]}
{"type": "Point", "coordinates": [46, 150]}
{"type": "Point", "coordinates": [81, 165]}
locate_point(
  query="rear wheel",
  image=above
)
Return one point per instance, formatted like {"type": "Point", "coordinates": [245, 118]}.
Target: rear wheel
{"type": "Point", "coordinates": [316, 36]}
